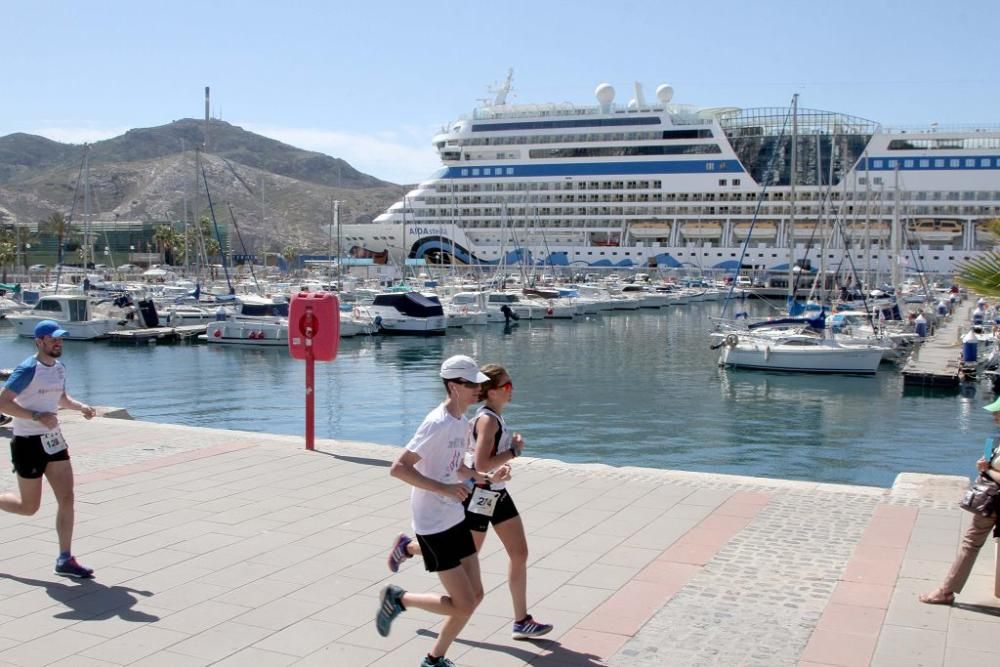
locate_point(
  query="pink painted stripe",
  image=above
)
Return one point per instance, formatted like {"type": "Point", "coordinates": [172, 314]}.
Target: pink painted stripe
{"type": "Point", "coordinates": [606, 629]}
{"type": "Point", "coordinates": [848, 630]}
{"type": "Point", "coordinates": [162, 462]}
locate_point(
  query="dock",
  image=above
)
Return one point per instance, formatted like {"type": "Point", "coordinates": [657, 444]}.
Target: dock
{"type": "Point", "coordinates": [188, 332]}
{"type": "Point", "coordinates": [937, 362]}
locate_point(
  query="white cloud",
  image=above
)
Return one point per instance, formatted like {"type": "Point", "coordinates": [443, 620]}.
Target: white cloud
{"type": "Point", "coordinates": [386, 155]}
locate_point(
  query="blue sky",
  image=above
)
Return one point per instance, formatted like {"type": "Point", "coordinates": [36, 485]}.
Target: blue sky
{"type": "Point", "coordinates": [371, 82]}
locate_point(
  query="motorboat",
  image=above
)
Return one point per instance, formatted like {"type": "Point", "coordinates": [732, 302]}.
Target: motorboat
{"type": "Point", "coordinates": [82, 317]}
{"type": "Point", "coordinates": [247, 332]}
{"type": "Point", "coordinates": [406, 314]}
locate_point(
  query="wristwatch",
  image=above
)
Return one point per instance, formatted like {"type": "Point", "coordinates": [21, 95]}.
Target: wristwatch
{"type": "Point", "coordinates": [35, 416]}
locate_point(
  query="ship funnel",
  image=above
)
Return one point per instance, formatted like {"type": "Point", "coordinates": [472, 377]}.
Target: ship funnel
{"type": "Point", "coordinates": [605, 94]}
{"type": "Point", "coordinates": [640, 99]}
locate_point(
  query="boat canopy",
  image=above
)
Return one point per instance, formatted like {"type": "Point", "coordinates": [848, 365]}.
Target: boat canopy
{"type": "Point", "coordinates": [413, 304]}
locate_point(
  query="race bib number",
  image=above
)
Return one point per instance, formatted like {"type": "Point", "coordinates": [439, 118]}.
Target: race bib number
{"type": "Point", "coordinates": [53, 442]}
{"type": "Point", "coordinates": [484, 501]}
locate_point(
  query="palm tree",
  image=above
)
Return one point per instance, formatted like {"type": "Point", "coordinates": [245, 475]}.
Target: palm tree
{"type": "Point", "coordinates": [982, 274]}
{"type": "Point", "coordinates": [8, 254]}
{"type": "Point", "coordinates": [166, 240]}
{"type": "Point", "coordinates": [289, 253]}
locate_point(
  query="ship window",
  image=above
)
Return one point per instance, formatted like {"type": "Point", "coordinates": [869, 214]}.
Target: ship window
{"type": "Point", "coordinates": [954, 162]}
{"type": "Point", "coordinates": [475, 172]}
{"type": "Point", "coordinates": [736, 181]}
{"type": "Point", "coordinates": [970, 162]}
{"type": "Point", "coordinates": [465, 172]}
{"type": "Point", "coordinates": [722, 181]}
{"type": "Point", "coordinates": [892, 164]}
{"type": "Point", "coordinates": [486, 171]}
{"type": "Point", "coordinates": [876, 164]}
{"type": "Point", "coordinates": [985, 162]}
{"type": "Point", "coordinates": [908, 164]}
{"type": "Point", "coordinates": [510, 171]}
{"type": "Point", "coordinates": [924, 164]}
{"type": "Point", "coordinates": [709, 166]}
{"type": "Point", "coordinates": [938, 163]}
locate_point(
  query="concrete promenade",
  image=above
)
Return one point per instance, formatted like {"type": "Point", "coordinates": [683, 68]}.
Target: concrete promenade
{"type": "Point", "coordinates": [232, 548]}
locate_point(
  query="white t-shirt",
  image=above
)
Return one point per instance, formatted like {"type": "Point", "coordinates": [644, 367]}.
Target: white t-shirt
{"type": "Point", "coordinates": [440, 441]}
{"type": "Point", "coordinates": [38, 388]}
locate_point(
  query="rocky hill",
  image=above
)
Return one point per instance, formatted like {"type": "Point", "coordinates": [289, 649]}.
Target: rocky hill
{"type": "Point", "coordinates": [279, 194]}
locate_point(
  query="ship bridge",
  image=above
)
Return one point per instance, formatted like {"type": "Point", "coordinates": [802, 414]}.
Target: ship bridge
{"type": "Point", "coordinates": [762, 138]}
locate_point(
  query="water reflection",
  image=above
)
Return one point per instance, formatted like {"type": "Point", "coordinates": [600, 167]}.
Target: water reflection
{"type": "Point", "coordinates": [623, 388]}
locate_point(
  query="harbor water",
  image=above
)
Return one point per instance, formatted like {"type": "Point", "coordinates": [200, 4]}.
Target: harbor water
{"type": "Point", "coordinates": [626, 388]}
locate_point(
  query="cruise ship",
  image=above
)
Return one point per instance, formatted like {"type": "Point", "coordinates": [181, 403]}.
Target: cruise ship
{"type": "Point", "coordinates": [660, 185]}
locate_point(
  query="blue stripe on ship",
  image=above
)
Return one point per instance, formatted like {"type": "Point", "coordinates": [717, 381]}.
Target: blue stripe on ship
{"type": "Point", "coordinates": [936, 162]}
{"type": "Point", "coordinates": [597, 169]}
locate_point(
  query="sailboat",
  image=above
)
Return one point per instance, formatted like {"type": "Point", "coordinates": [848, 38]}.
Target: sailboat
{"type": "Point", "coordinates": [794, 344]}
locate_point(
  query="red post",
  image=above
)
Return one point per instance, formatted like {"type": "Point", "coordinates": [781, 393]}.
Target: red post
{"type": "Point", "coordinates": [310, 382]}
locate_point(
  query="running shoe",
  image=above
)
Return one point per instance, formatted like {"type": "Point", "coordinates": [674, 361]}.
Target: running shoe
{"type": "Point", "coordinates": [441, 661]}
{"type": "Point", "coordinates": [399, 553]}
{"type": "Point", "coordinates": [529, 628]}
{"type": "Point", "coordinates": [4, 420]}
{"type": "Point", "coordinates": [390, 608]}
{"type": "Point", "coordinates": [70, 568]}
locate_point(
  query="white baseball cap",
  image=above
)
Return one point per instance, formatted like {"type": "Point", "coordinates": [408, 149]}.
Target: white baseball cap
{"type": "Point", "coordinates": [462, 367]}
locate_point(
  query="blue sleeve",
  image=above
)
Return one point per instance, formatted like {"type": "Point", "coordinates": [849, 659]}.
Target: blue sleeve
{"type": "Point", "coordinates": [22, 376]}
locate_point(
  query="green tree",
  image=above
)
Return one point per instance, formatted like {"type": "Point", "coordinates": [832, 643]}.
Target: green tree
{"type": "Point", "coordinates": [8, 255]}
{"type": "Point", "coordinates": [982, 274]}
{"type": "Point", "coordinates": [290, 253]}
{"type": "Point", "coordinates": [167, 240]}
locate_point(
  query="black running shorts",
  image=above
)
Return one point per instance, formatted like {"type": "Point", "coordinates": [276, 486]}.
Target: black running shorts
{"type": "Point", "coordinates": [504, 510]}
{"type": "Point", "coordinates": [29, 458]}
{"type": "Point", "coordinates": [445, 550]}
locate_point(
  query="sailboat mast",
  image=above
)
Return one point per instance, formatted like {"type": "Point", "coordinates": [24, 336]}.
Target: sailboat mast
{"type": "Point", "coordinates": [791, 194]}
{"type": "Point", "coordinates": [86, 205]}
{"type": "Point", "coordinates": [896, 255]}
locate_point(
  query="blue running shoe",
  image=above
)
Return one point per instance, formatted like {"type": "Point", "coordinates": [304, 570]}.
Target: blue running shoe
{"type": "Point", "coordinates": [390, 608]}
{"type": "Point", "coordinates": [529, 628]}
{"type": "Point", "coordinates": [399, 553]}
{"type": "Point", "coordinates": [70, 568]}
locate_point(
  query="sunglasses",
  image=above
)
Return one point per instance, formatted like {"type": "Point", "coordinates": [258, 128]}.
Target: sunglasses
{"type": "Point", "coordinates": [506, 386]}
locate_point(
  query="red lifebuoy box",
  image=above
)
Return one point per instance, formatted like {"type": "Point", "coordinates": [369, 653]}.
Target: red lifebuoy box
{"type": "Point", "coordinates": [314, 321]}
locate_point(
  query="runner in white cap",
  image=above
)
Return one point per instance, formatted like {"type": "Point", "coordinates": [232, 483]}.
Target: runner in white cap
{"type": "Point", "coordinates": [433, 463]}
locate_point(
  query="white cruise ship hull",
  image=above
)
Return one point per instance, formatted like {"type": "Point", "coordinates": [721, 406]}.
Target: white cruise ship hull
{"type": "Point", "coordinates": [664, 186]}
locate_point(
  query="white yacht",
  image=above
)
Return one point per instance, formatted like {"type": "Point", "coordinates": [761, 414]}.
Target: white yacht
{"type": "Point", "coordinates": [657, 184]}
{"type": "Point", "coordinates": [83, 318]}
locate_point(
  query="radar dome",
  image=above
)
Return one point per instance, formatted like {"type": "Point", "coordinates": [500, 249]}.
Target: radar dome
{"type": "Point", "coordinates": [633, 103]}
{"type": "Point", "coordinates": [605, 94]}
{"type": "Point", "coordinates": [665, 93]}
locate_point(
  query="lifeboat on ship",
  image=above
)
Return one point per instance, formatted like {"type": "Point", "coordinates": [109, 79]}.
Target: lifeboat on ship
{"type": "Point", "coordinates": [701, 230]}
{"type": "Point", "coordinates": [984, 235]}
{"type": "Point", "coordinates": [761, 231]}
{"type": "Point", "coordinates": [877, 231]}
{"type": "Point", "coordinates": [935, 230]}
{"type": "Point", "coordinates": [650, 230]}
